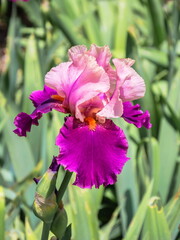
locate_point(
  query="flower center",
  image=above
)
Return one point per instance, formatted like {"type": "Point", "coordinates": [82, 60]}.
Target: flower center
{"type": "Point", "coordinates": [91, 122]}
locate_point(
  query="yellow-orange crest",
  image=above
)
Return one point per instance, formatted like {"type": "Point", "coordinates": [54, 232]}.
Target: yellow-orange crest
{"type": "Point", "coordinates": [91, 122]}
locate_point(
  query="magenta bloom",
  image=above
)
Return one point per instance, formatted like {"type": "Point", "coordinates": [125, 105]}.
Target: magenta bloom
{"type": "Point", "coordinates": [91, 91]}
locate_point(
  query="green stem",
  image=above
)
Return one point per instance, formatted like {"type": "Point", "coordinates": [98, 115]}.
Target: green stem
{"type": "Point", "coordinates": [63, 186]}
{"type": "Point", "coordinates": [45, 231]}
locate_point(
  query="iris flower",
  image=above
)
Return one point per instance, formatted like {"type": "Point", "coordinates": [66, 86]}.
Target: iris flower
{"type": "Point", "coordinates": [92, 92]}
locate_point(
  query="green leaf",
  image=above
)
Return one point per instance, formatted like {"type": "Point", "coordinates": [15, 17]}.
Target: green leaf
{"type": "Point", "coordinates": [155, 56]}
{"type": "Point", "coordinates": [59, 224]}
{"type": "Point", "coordinates": [121, 27]}
{"type": "Point", "coordinates": [155, 225]}
{"type": "Point", "coordinates": [19, 150]}
{"type": "Point", "coordinates": [32, 81]}
{"type": "Point", "coordinates": [137, 221]}
{"type": "Point", "coordinates": [29, 233]}
{"type": "Point", "coordinates": [82, 212]}
{"type": "Point", "coordinates": [107, 229]}
{"type": "Point", "coordinates": [168, 142]}
{"type": "Point", "coordinates": [67, 235]}
{"type": "Point", "coordinates": [106, 14]}
{"type": "Point", "coordinates": [156, 9]}
{"type": "Point", "coordinates": [33, 11]}
{"type": "Point", "coordinates": [32, 73]}
{"type": "Point", "coordinates": [172, 214]}
{"type": "Point", "coordinates": [155, 160]}
{"type": "Point", "coordinates": [126, 185]}
{"type": "Point", "coordinates": [90, 23]}
{"type": "Point", "coordinates": [65, 25]}
{"type": "Point", "coordinates": [13, 32]}
{"type": "Point", "coordinates": [2, 214]}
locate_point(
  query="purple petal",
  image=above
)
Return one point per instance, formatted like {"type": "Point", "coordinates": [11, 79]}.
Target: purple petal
{"type": "Point", "coordinates": [54, 165]}
{"type": "Point", "coordinates": [133, 114]}
{"type": "Point", "coordinates": [40, 96]}
{"type": "Point", "coordinates": [24, 121]}
{"type": "Point", "coordinates": [36, 180]}
{"type": "Point", "coordinates": [96, 156]}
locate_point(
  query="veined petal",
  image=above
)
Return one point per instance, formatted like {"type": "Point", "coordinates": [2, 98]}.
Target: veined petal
{"type": "Point", "coordinates": [133, 114]}
{"type": "Point", "coordinates": [97, 156]}
{"type": "Point", "coordinates": [132, 85]}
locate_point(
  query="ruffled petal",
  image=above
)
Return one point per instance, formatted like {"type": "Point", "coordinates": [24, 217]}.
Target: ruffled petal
{"type": "Point", "coordinates": [102, 55]}
{"type": "Point", "coordinates": [133, 114]}
{"type": "Point", "coordinates": [40, 96]}
{"type": "Point", "coordinates": [78, 81]}
{"type": "Point", "coordinates": [132, 85]}
{"type": "Point", "coordinates": [96, 156]}
{"type": "Point", "coordinates": [24, 121]}
{"type": "Point", "coordinates": [58, 78]}
{"type": "Point", "coordinates": [91, 80]}
{"type": "Point", "coordinates": [74, 51]}
{"type": "Point", "coordinates": [114, 108]}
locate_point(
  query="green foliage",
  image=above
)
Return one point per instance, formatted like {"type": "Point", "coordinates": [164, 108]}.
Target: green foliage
{"type": "Point", "coordinates": [145, 201]}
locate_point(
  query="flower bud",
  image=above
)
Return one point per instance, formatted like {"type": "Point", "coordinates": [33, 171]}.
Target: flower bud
{"type": "Point", "coordinates": [45, 208]}
{"type": "Point", "coordinates": [47, 184]}
{"type": "Point", "coordinates": [45, 204]}
{"type": "Point", "coordinates": [59, 223]}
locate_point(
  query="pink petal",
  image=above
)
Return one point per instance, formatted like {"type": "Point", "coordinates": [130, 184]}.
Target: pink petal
{"type": "Point", "coordinates": [58, 78]}
{"type": "Point", "coordinates": [96, 156]}
{"type": "Point", "coordinates": [74, 51]}
{"type": "Point", "coordinates": [102, 54]}
{"type": "Point", "coordinates": [90, 81]}
{"type": "Point", "coordinates": [78, 81]}
{"type": "Point", "coordinates": [114, 108]}
{"type": "Point", "coordinates": [92, 106]}
{"type": "Point", "coordinates": [132, 85]}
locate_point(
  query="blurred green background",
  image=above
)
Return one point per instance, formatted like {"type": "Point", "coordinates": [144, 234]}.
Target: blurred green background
{"type": "Point", "coordinates": [34, 36]}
